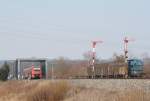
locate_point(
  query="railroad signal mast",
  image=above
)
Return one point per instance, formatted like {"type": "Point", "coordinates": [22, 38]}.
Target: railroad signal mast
{"type": "Point", "coordinates": [94, 43]}
{"type": "Point", "coordinates": [126, 41]}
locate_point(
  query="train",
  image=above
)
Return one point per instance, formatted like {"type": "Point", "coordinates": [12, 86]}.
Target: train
{"type": "Point", "coordinates": [33, 72]}
{"type": "Point", "coordinates": [129, 69]}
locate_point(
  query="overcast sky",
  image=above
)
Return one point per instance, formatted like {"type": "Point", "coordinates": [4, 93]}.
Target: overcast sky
{"type": "Point", "coordinates": [53, 28]}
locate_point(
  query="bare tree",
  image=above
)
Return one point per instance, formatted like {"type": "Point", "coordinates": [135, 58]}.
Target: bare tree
{"type": "Point", "coordinates": [118, 58]}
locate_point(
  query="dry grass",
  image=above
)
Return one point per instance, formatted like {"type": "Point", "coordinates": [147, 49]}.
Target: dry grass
{"type": "Point", "coordinates": [33, 91]}
{"type": "Point", "coordinates": [91, 94]}
{"type": "Point", "coordinates": [64, 91]}
{"type": "Point", "coordinates": [49, 92]}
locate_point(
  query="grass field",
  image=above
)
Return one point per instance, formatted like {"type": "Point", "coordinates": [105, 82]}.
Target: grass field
{"type": "Point", "coordinates": [75, 90]}
{"type": "Point", "coordinates": [33, 91]}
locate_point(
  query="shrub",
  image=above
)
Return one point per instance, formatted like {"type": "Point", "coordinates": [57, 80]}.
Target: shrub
{"type": "Point", "coordinates": [4, 72]}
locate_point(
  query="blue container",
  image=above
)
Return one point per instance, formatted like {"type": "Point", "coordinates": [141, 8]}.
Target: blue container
{"type": "Point", "coordinates": [135, 67]}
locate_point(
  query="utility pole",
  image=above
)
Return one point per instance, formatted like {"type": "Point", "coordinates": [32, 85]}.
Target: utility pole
{"type": "Point", "coordinates": [94, 43]}
{"type": "Point", "coordinates": [53, 65]}
{"type": "Point", "coordinates": [52, 71]}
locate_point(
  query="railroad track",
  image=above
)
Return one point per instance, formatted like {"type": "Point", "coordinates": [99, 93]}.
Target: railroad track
{"type": "Point", "coordinates": [85, 77]}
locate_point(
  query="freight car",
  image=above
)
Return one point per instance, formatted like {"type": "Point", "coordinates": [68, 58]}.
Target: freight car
{"type": "Point", "coordinates": [133, 68]}
{"type": "Point", "coordinates": [34, 72]}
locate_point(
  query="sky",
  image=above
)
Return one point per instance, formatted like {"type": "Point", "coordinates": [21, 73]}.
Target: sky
{"type": "Point", "coordinates": [54, 28]}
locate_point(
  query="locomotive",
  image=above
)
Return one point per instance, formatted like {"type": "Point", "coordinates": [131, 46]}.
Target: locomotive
{"type": "Point", "coordinates": [133, 68]}
{"type": "Point", "coordinates": [33, 72]}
